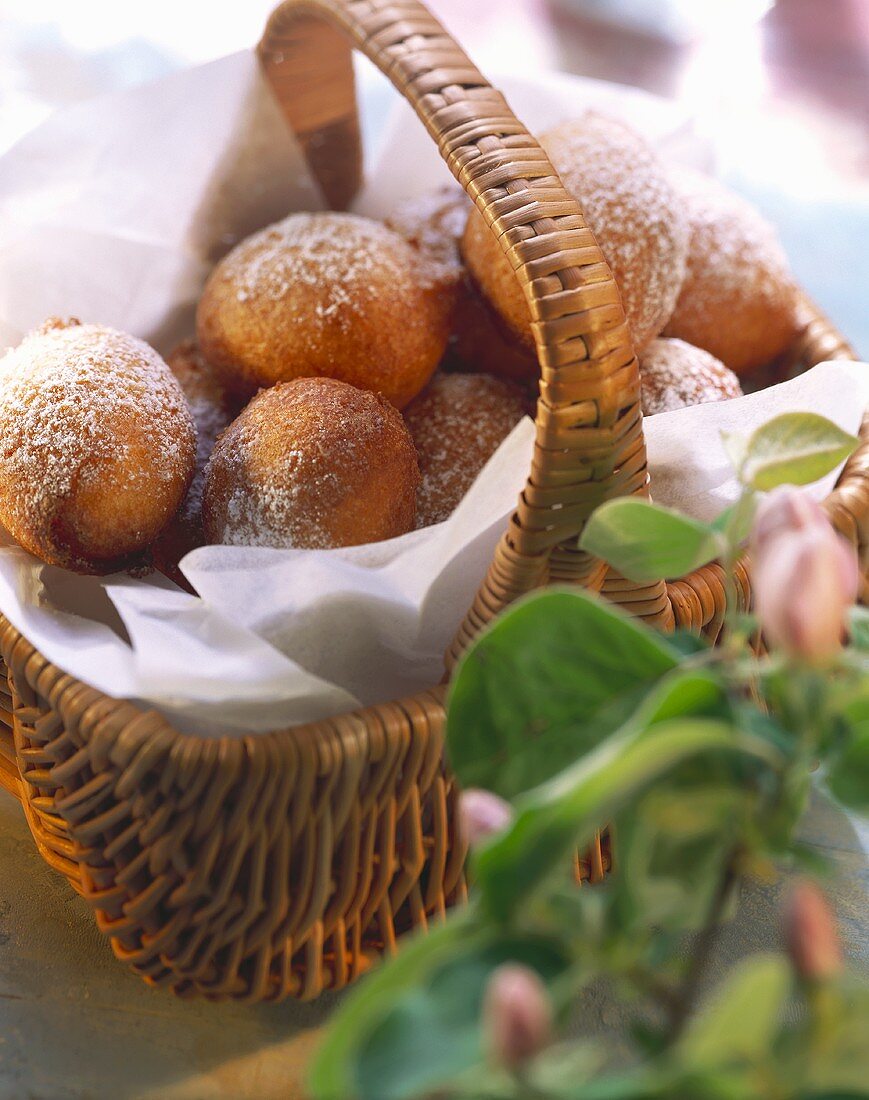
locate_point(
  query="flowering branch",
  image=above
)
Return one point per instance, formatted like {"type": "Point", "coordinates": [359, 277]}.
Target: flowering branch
{"type": "Point", "coordinates": [566, 714]}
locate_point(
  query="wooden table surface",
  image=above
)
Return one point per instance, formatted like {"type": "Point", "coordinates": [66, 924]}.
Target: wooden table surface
{"type": "Point", "coordinates": [75, 1025]}
{"type": "Point", "coordinates": [786, 102]}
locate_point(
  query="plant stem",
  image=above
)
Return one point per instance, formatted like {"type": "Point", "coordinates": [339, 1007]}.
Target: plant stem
{"type": "Point", "coordinates": [703, 946]}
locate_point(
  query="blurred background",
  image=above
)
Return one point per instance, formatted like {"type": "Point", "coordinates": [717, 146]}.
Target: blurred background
{"type": "Point", "coordinates": [781, 87]}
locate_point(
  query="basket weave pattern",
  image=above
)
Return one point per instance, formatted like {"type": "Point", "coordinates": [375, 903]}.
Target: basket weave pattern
{"type": "Point", "coordinates": [283, 865]}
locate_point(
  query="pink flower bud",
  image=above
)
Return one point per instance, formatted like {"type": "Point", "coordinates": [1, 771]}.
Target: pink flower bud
{"type": "Point", "coordinates": [517, 1015]}
{"type": "Point", "coordinates": [811, 934]}
{"type": "Point", "coordinates": [805, 577]}
{"type": "Point", "coordinates": [482, 814]}
{"type": "Point", "coordinates": [785, 509]}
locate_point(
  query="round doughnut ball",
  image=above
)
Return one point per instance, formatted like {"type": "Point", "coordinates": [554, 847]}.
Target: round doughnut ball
{"type": "Point", "coordinates": [457, 424]}
{"type": "Point", "coordinates": [312, 464]}
{"type": "Point", "coordinates": [433, 224]}
{"type": "Point", "coordinates": [96, 445]}
{"type": "Point", "coordinates": [630, 206]}
{"type": "Point", "coordinates": [674, 374]}
{"type": "Point", "coordinates": [480, 345]}
{"type": "Point", "coordinates": [213, 408]}
{"type": "Point", "coordinates": [331, 295]}
{"type": "Point", "coordinates": [739, 299]}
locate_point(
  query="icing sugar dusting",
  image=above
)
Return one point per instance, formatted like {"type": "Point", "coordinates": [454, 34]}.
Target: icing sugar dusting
{"type": "Point", "coordinates": [632, 209]}
{"type": "Point", "coordinates": [433, 223]}
{"type": "Point", "coordinates": [329, 295]}
{"type": "Point", "coordinates": [344, 257]}
{"type": "Point", "coordinates": [674, 374]}
{"type": "Point", "coordinates": [457, 424]}
{"type": "Point", "coordinates": [80, 402]}
{"type": "Point", "coordinates": [310, 464]}
{"type": "Point", "coordinates": [739, 296]}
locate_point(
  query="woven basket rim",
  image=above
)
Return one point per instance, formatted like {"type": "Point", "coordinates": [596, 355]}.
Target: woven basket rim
{"type": "Point", "coordinates": [282, 864]}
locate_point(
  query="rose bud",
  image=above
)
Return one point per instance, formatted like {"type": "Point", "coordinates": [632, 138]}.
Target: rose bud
{"type": "Point", "coordinates": [804, 580]}
{"type": "Point", "coordinates": [517, 1015]}
{"type": "Point", "coordinates": [811, 934]}
{"type": "Point", "coordinates": [482, 814]}
{"type": "Point", "coordinates": [785, 509]}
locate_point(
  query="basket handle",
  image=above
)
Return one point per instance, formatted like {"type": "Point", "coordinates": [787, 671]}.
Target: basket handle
{"type": "Point", "coordinates": [589, 444]}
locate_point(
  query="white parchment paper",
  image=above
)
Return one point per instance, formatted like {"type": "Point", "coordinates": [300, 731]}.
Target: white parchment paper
{"type": "Point", "coordinates": [689, 468]}
{"type": "Point", "coordinates": [115, 211]}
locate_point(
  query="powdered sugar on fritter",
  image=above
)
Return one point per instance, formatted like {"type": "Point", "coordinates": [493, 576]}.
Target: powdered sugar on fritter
{"type": "Point", "coordinates": [61, 388]}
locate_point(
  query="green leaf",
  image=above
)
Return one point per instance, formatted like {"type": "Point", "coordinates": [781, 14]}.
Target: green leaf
{"type": "Point", "coordinates": [844, 744]}
{"type": "Point", "coordinates": [688, 642]}
{"type": "Point", "coordinates": [858, 620]}
{"type": "Point", "coordinates": [434, 1032]}
{"type": "Point", "coordinates": [552, 677]}
{"type": "Point", "coordinates": [646, 542]}
{"type": "Point", "coordinates": [332, 1073]}
{"type": "Point", "coordinates": [735, 447]}
{"type": "Point", "coordinates": [565, 812]}
{"type": "Point", "coordinates": [671, 847]}
{"type": "Point", "coordinates": [641, 1083]}
{"type": "Point", "coordinates": [794, 449]}
{"type": "Point", "coordinates": [847, 776]}
{"type": "Point", "coordinates": [741, 1022]}
{"type": "Point", "coordinates": [838, 1065]}
{"type": "Point", "coordinates": [416, 1024]}
{"type": "Point", "coordinates": [565, 1067]}
{"type": "Point", "coordinates": [682, 692]}
{"type": "Point", "coordinates": [735, 522]}
{"type": "Point", "coordinates": [833, 1094]}
{"type": "Point", "coordinates": [672, 838]}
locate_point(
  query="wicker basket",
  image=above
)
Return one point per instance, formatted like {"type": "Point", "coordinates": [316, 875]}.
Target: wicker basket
{"type": "Point", "coordinates": [284, 865]}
